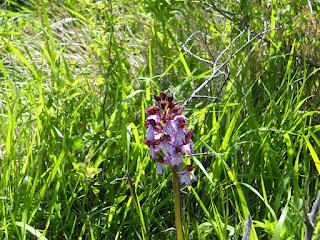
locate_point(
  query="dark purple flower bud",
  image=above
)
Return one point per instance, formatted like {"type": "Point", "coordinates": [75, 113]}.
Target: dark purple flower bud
{"type": "Point", "coordinates": [153, 123]}
{"type": "Point", "coordinates": [152, 110]}
{"type": "Point", "coordinates": [170, 98]}
{"type": "Point", "coordinates": [169, 116]}
{"type": "Point", "coordinates": [149, 122]}
{"type": "Point", "coordinates": [163, 105]}
{"type": "Point", "coordinates": [180, 118]}
{"type": "Point", "coordinates": [157, 98]}
{"type": "Point", "coordinates": [151, 142]}
{"type": "Point", "coordinates": [181, 121]}
{"type": "Point", "coordinates": [171, 105]}
{"type": "Point", "coordinates": [165, 137]}
{"type": "Point", "coordinates": [188, 135]}
{"type": "Point", "coordinates": [162, 95]}
{"type": "Point", "coordinates": [189, 168]}
{"type": "Point", "coordinates": [177, 109]}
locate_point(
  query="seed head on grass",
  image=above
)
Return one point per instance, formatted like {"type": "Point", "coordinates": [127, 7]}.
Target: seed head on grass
{"type": "Point", "coordinates": [168, 138]}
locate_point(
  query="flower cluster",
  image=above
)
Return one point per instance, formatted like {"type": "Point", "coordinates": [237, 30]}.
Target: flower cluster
{"type": "Point", "coordinates": [168, 139]}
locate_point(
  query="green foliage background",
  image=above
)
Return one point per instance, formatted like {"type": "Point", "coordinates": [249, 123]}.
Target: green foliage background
{"type": "Point", "coordinates": [76, 76]}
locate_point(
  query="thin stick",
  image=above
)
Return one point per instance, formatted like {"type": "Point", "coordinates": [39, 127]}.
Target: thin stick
{"type": "Point", "coordinates": [216, 71]}
{"type": "Point", "coordinates": [247, 228]}
{"type": "Point", "coordinates": [311, 220]}
{"type": "Point", "coordinates": [232, 17]}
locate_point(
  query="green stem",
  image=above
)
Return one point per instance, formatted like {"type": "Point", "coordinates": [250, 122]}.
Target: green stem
{"type": "Point", "coordinates": [177, 206]}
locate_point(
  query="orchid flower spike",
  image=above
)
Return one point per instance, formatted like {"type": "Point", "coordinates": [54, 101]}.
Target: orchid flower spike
{"type": "Point", "coordinates": [168, 138]}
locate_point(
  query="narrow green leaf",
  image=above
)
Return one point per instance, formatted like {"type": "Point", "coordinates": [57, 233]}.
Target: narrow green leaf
{"type": "Point", "coordinates": [31, 230]}
{"type": "Point", "coordinates": [313, 154]}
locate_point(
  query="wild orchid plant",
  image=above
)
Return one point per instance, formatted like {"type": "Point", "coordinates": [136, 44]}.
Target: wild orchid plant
{"type": "Point", "coordinates": [170, 143]}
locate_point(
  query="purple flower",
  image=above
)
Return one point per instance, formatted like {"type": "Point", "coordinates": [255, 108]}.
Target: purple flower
{"type": "Point", "coordinates": [160, 168]}
{"type": "Point", "coordinates": [153, 152]}
{"type": "Point", "coordinates": [150, 134]}
{"type": "Point", "coordinates": [187, 148]}
{"type": "Point", "coordinates": [178, 137]}
{"type": "Point", "coordinates": [174, 160]}
{"type": "Point", "coordinates": [169, 127]}
{"type": "Point", "coordinates": [187, 176]}
{"type": "Point", "coordinates": [155, 117]}
{"type": "Point", "coordinates": [167, 148]}
{"type": "Point", "coordinates": [167, 137]}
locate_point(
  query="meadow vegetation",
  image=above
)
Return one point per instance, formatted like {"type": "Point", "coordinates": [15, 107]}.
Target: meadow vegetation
{"type": "Point", "coordinates": [76, 77]}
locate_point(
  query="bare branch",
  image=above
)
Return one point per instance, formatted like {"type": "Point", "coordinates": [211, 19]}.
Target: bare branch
{"type": "Point", "coordinates": [213, 76]}
{"type": "Point", "coordinates": [315, 209]}
{"type": "Point", "coordinates": [194, 55]}
{"type": "Point", "coordinates": [247, 228]}
{"type": "Point", "coordinates": [310, 220]}
{"type": "Point", "coordinates": [228, 47]}
{"type": "Point", "coordinates": [189, 38]}
{"type": "Point", "coordinates": [226, 14]}
{"type": "Point", "coordinates": [216, 71]}
{"type": "Point", "coordinates": [205, 96]}
{"type": "Point", "coordinates": [244, 25]}
{"type": "Point", "coordinates": [206, 154]}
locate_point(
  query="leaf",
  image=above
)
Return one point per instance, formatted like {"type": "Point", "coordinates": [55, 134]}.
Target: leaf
{"type": "Point", "coordinates": [273, 214]}
{"type": "Point", "coordinates": [31, 230]}
{"type": "Point", "coordinates": [203, 169]}
{"type": "Point", "coordinates": [279, 227]}
{"type": "Point", "coordinates": [313, 154]}
{"type": "Point", "coordinates": [132, 95]}
{"type": "Point", "coordinates": [23, 59]}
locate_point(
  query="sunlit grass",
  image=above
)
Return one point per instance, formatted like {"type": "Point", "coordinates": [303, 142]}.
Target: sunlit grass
{"type": "Point", "coordinates": [75, 79]}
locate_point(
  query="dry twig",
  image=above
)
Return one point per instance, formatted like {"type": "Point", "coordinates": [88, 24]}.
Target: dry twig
{"type": "Point", "coordinates": [310, 220]}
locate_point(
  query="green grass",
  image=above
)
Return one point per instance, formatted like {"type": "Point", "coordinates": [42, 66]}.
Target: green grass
{"type": "Point", "coordinates": [76, 77]}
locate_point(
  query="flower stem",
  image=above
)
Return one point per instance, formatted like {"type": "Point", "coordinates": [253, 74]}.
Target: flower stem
{"type": "Point", "coordinates": [177, 205]}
